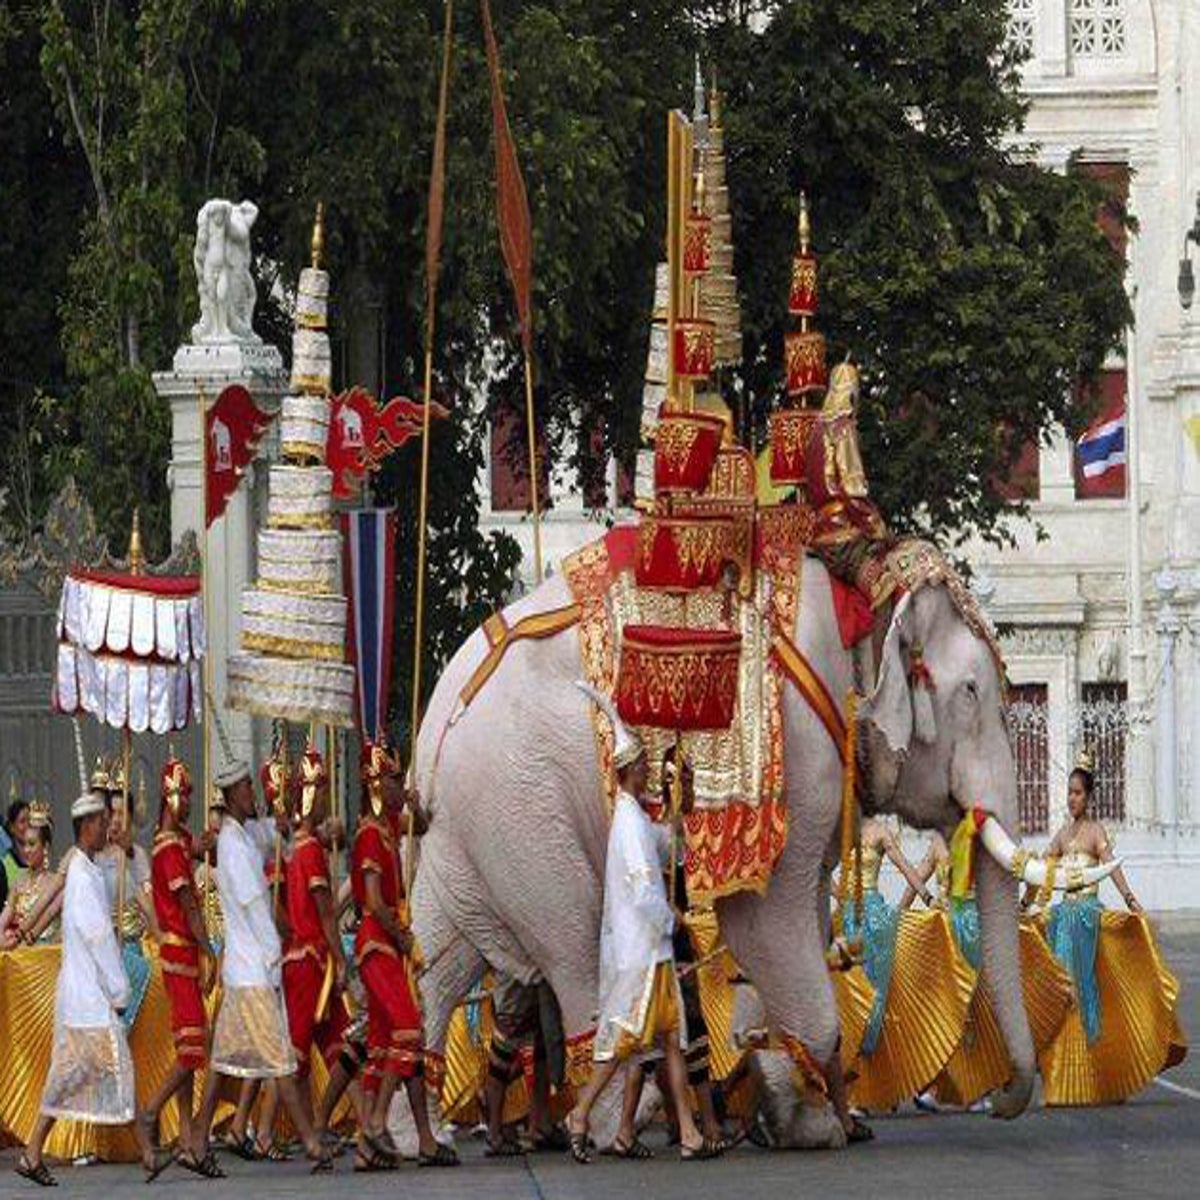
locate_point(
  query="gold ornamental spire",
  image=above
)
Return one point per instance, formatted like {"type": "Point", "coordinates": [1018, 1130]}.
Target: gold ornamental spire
{"type": "Point", "coordinates": [317, 244]}
{"type": "Point", "coordinates": [804, 224]}
{"type": "Point", "coordinates": [137, 560]}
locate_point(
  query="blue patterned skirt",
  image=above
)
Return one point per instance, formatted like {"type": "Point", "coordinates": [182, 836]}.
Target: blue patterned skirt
{"type": "Point", "coordinates": [880, 923]}
{"type": "Point", "coordinates": [964, 921]}
{"type": "Point", "coordinates": [1073, 931]}
{"type": "Point", "coordinates": [137, 970]}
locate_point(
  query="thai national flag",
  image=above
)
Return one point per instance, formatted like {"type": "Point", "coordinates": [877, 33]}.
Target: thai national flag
{"type": "Point", "coordinates": [370, 563]}
{"type": "Point", "coordinates": [1100, 456]}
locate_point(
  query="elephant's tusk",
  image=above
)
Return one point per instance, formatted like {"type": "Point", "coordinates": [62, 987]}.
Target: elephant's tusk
{"type": "Point", "coordinates": [1034, 871]}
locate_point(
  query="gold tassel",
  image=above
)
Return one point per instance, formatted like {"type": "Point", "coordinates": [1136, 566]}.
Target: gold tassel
{"type": "Point", "coordinates": [851, 839]}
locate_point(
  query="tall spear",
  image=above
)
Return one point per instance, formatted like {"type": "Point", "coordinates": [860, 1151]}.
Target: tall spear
{"type": "Point", "coordinates": [433, 254]}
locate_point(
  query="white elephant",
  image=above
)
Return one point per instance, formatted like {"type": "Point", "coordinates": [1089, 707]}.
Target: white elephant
{"type": "Point", "coordinates": [513, 864]}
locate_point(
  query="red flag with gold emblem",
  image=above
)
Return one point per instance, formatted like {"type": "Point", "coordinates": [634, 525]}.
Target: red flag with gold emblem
{"type": "Point", "coordinates": [232, 429]}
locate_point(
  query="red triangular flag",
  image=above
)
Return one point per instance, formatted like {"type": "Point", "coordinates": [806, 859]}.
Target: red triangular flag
{"type": "Point", "coordinates": [232, 429]}
{"type": "Point", "coordinates": [512, 203]}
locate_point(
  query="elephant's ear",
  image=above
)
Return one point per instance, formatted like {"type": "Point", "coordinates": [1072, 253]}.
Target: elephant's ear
{"type": "Point", "coordinates": [890, 705]}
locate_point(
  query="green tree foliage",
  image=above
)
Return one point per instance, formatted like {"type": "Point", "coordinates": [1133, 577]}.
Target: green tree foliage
{"type": "Point", "coordinates": [42, 190]}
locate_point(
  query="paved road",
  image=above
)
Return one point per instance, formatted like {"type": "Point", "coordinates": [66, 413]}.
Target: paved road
{"type": "Point", "coordinates": [1148, 1149]}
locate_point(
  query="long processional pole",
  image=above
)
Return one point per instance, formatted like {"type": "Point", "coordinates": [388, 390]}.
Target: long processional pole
{"type": "Point", "coordinates": [433, 248]}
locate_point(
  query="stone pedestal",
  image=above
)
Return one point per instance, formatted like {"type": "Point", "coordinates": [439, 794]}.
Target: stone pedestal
{"type": "Point", "coordinates": [204, 371]}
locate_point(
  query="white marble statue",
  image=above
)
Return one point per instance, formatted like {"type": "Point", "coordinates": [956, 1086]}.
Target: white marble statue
{"type": "Point", "coordinates": [222, 261]}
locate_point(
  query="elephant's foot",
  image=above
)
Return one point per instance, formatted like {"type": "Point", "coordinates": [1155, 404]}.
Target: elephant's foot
{"type": "Point", "coordinates": [1013, 1100]}
{"type": "Point", "coordinates": [817, 1127]}
{"type": "Point", "coordinates": [795, 1121]}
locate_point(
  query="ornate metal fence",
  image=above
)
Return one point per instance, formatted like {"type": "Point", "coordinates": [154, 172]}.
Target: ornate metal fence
{"type": "Point", "coordinates": [1101, 727]}
{"type": "Point", "coordinates": [1027, 715]}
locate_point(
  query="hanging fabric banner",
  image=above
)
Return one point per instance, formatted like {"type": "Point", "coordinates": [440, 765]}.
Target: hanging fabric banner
{"type": "Point", "coordinates": [232, 429]}
{"type": "Point", "coordinates": [370, 567]}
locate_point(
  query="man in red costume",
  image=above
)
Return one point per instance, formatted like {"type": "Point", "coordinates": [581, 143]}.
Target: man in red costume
{"type": "Point", "coordinates": [383, 949]}
{"type": "Point", "coordinates": [314, 965]}
{"type": "Point", "coordinates": [186, 955]}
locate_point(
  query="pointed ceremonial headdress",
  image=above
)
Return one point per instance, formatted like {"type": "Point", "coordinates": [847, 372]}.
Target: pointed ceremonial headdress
{"type": "Point", "coordinates": [175, 783]}
{"type": "Point", "coordinates": [233, 769]}
{"type": "Point", "coordinates": [313, 777]}
{"type": "Point", "coordinates": [379, 760]}
{"type": "Point", "coordinates": [92, 794]}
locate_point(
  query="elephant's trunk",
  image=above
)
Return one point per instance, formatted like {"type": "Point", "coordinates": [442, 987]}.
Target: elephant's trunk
{"type": "Point", "coordinates": [996, 894]}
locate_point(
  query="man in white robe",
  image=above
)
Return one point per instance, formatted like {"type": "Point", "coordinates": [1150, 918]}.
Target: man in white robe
{"type": "Point", "coordinates": [91, 1070]}
{"type": "Point", "coordinates": [250, 1038]}
{"type": "Point", "coordinates": [641, 1009]}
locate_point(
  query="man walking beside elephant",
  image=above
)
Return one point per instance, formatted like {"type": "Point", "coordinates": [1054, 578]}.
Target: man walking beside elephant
{"type": "Point", "coordinates": [641, 1009]}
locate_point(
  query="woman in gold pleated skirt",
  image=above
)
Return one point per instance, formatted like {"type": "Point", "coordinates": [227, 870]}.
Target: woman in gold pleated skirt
{"type": "Point", "coordinates": [1123, 1029]}
{"type": "Point", "coordinates": [923, 985]}
{"type": "Point", "coordinates": [980, 1062]}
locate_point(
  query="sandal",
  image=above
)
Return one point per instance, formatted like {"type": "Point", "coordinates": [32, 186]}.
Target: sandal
{"type": "Point", "coordinates": [382, 1145]}
{"type": "Point", "coordinates": [207, 1167]}
{"type": "Point", "coordinates": [555, 1138]}
{"type": "Point", "coordinates": [859, 1131]}
{"type": "Point", "coordinates": [161, 1161]}
{"type": "Point", "coordinates": [39, 1174]}
{"type": "Point", "coordinates": [272, 1152]}
{"type": "Point", "coordinates": [579, 1147]}
{"type": "Point", "coordinates": [700, 1153]}
{"type": "Point", "coordinates": [322, 1164]}
{"type": "Point", "coordinates": [443, 1156]}
{"type": "Point", "coordinates": [504, 1148]}
{"type": "Point", "coordinates": [244, 1147]}
{"type": "Point", "coordinates": [637, 1150]}
{"type": "Point", "coordinates": [370, 1160]}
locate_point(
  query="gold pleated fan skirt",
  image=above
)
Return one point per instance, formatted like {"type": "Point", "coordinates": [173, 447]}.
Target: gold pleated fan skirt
{"type": "Point", "coordinates": [981, 1063]}
{"type": "Point", "coordinates": [1139, 1030]}
{"type": "Point", "coordinates": [926, 1013]}
{"type": "Point", "coordinates": [27, 984]}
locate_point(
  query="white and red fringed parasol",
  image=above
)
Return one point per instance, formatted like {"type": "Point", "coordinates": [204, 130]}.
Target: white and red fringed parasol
{"type": "Point", "coordinates": [130, 648]}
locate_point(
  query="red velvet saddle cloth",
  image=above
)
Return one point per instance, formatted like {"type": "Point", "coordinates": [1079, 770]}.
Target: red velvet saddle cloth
{"type": "Point", "coordinates": [739, 828]}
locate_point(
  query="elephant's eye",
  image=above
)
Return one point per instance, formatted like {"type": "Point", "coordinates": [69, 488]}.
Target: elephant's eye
{"type": "Point", "coordinates": [972, 689]}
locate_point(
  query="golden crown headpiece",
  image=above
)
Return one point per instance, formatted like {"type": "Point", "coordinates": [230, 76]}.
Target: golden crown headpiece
{"type": "Point", "coordinates": [40, 816]}
{"type": "Point", "coordinates": [379, 761]}
{"type": "Point", "coordinates": [175, 783]}
{"type": "Point", "coordinates": [102, 777]}
{"type": "Point", "coordinates": [1085, 763]}
{"type": "Point", "coordinates": [313, 777]}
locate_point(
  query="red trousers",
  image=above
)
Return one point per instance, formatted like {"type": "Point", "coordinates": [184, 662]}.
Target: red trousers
{"type": "Point", "coordinates": [394, 1034]}
{"type": "Point", "coordinates": [303, 979]}
{"type": "Point", "coordinates": [187, 1016]}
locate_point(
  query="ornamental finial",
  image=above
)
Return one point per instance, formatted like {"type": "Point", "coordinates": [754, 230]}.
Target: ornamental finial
{"type": "Point", "coordinates": [317, 245]}
{"type": "Point", "coordinates": [803, 224]}
{"type": "Point", "coordinates": [137, 560]}
{"type": "Point", "coordinates": [714, 101]}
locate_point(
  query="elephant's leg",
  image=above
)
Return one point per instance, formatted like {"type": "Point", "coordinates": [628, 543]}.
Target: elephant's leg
{"type": "Point", "coordinates": [780, 945]}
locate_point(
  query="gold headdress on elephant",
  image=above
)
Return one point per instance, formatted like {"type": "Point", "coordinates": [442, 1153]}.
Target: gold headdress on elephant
{"type": "Point", "coordinates": [312, 778]}
{"type": "Point", "coordinates": [379, 761]}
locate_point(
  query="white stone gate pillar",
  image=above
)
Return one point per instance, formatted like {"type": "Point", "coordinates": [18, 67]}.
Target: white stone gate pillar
{"type": "Point", "coordinates": [224, 350]}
